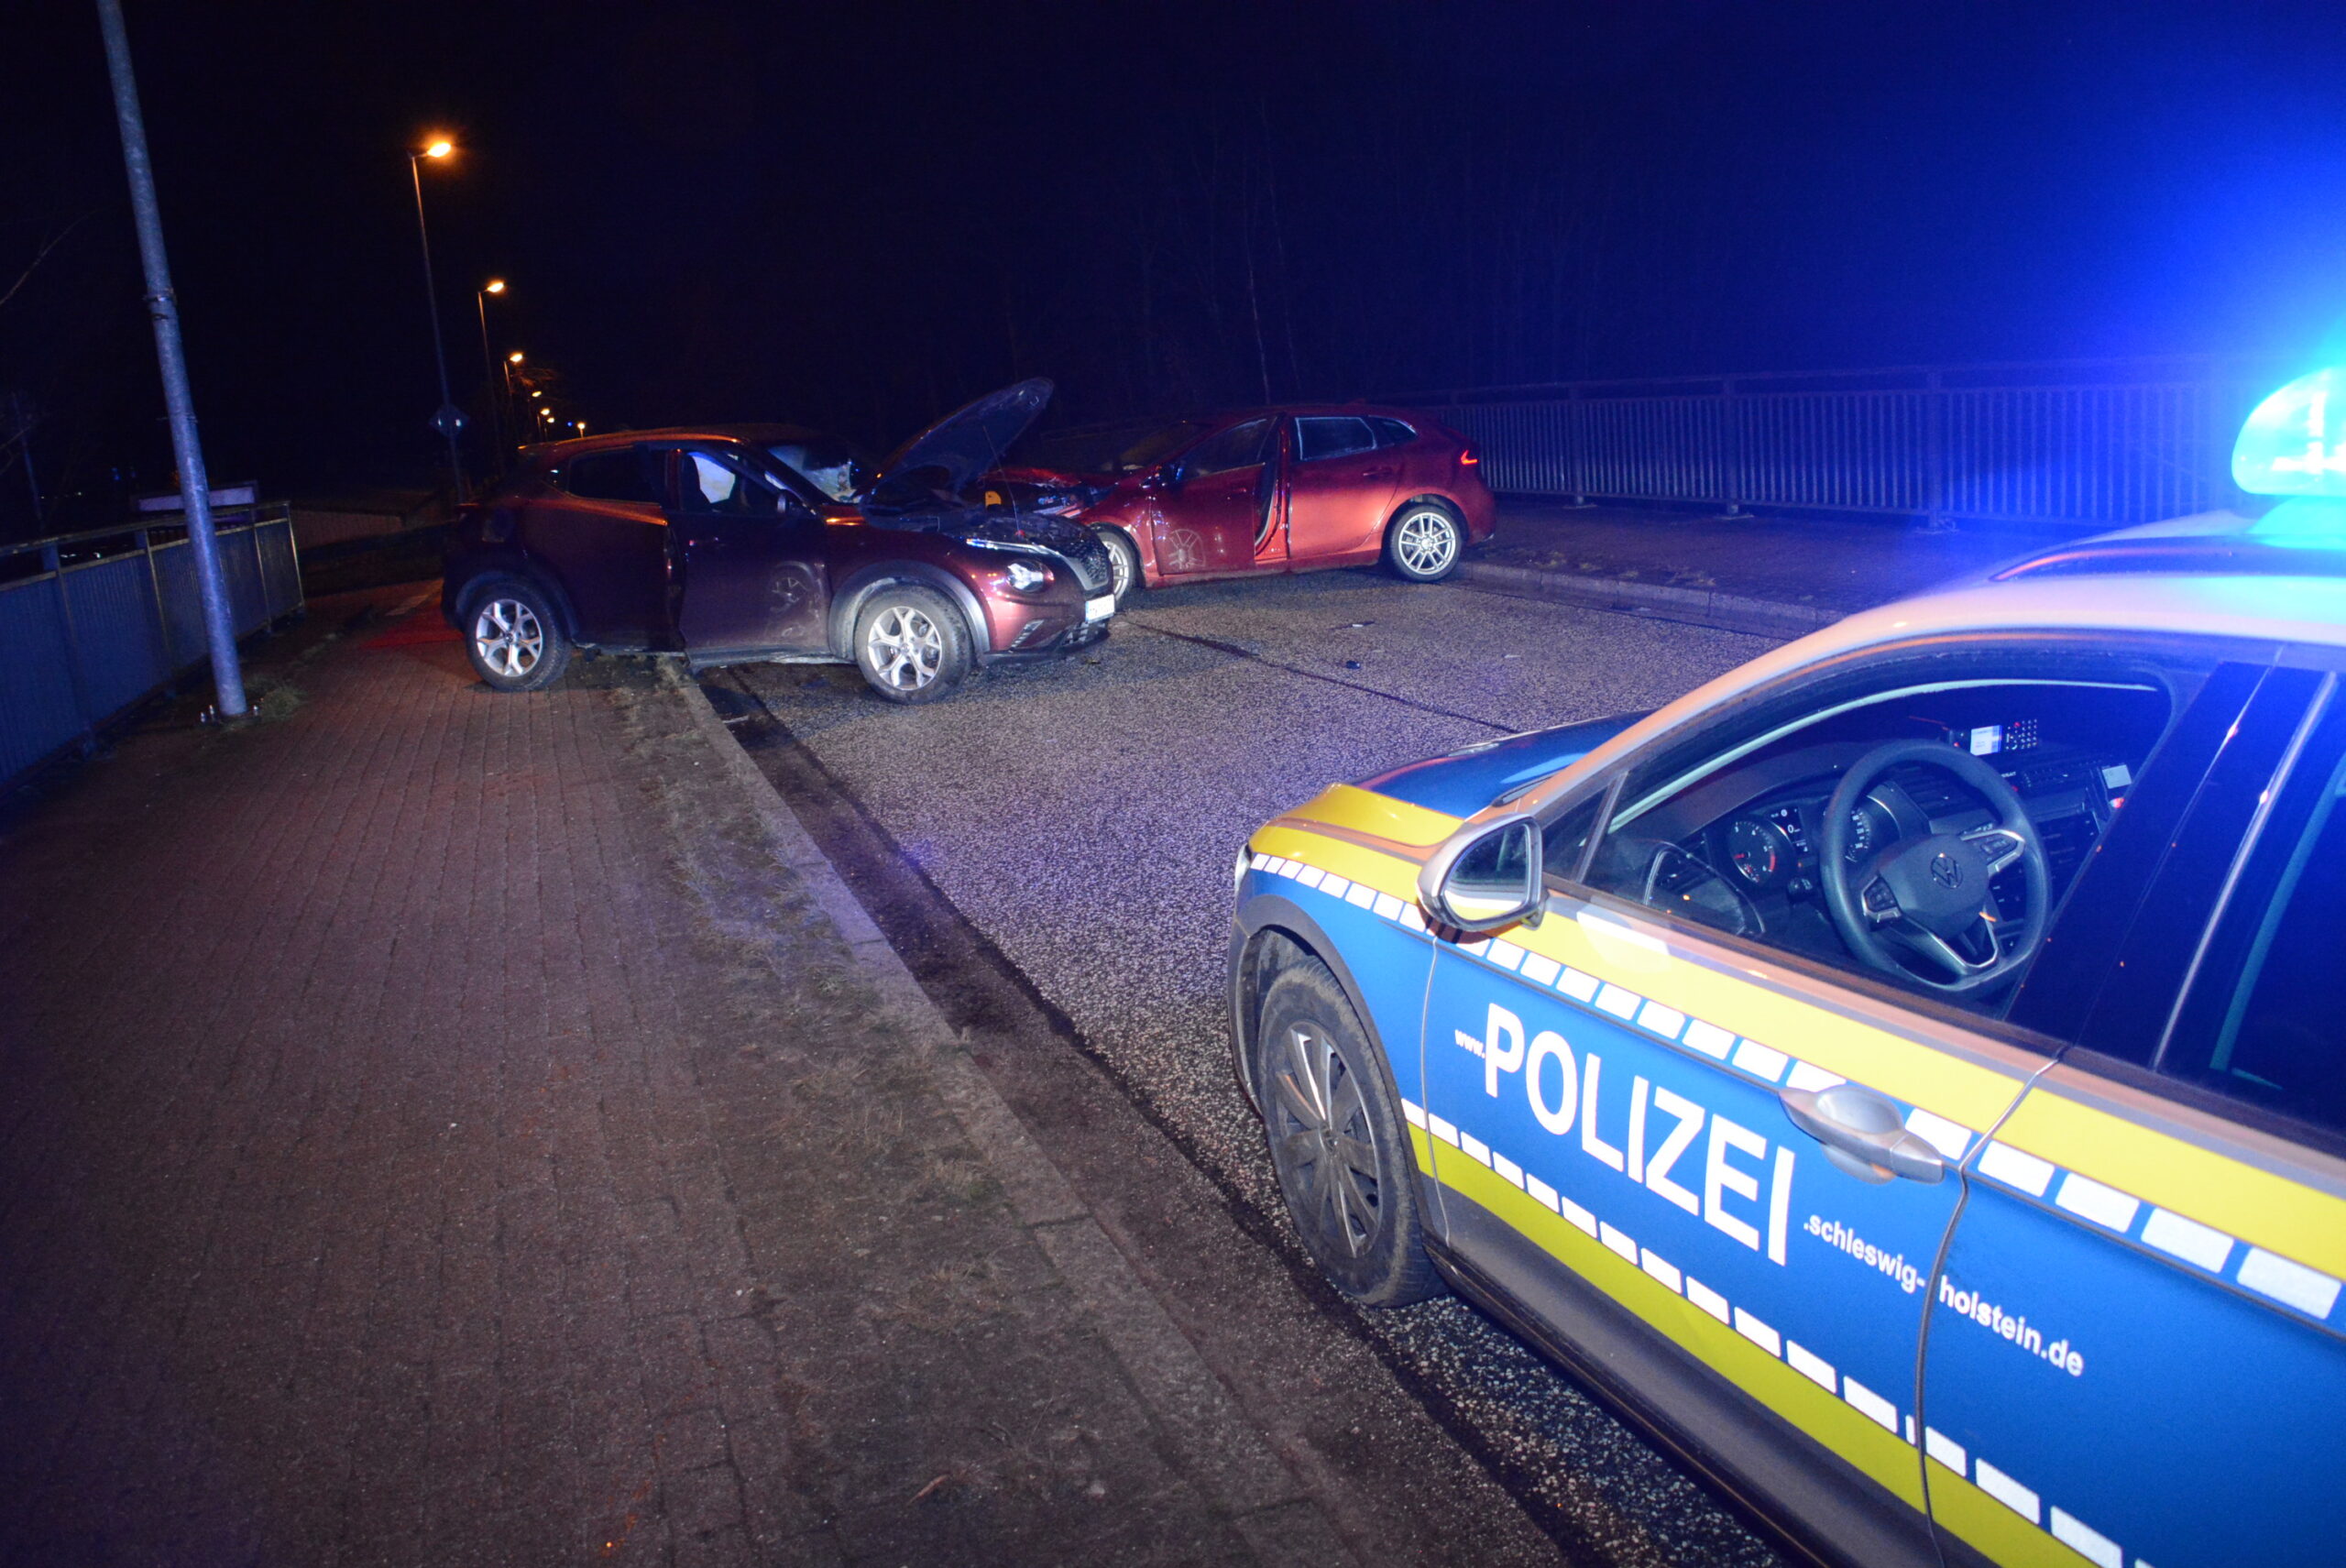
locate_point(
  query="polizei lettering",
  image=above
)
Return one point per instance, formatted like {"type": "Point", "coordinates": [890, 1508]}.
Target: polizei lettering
{"type": "Point", "coordinates": [1684, 1152]}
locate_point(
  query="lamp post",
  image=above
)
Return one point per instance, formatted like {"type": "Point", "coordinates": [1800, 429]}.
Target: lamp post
{"type": "Point", "coordinates": [512, 416]}
{"type": "Point", "coordinates": [162, 307]}
{"type": "Point", "coordinates": [488, 360]}
{"type": "Point", "coordinates": [450, 421]}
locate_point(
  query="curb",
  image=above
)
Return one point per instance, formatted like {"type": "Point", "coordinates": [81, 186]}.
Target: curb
{"type": "Point", "coordinates": [1223, 1453]}
{"type": "Point", "coordinates": [1703, 607]}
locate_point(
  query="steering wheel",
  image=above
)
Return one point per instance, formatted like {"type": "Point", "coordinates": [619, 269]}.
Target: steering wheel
{"type": "Point", "coordinates": [1928, 896]}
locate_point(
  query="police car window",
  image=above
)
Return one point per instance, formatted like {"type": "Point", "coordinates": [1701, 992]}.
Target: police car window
{"type": "Point", "coordinates": [621, 475]}
{"type": "Point", "coordinates": [1319, 437]}
{"type": "Point", "coordinates": [1563, 840]}
{"type": "Point", "coordinates": [2195, 849]}
{"type": "Point", "coordinates": [1731, 836]}
{"type": "Point", "coordinates": [2261, 1025]}
{"type": "Point", "coordinates": [1240, 447]}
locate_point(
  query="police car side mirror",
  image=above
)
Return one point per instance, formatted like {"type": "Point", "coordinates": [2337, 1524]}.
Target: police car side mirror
{"type": "Point", "coordinates": [1487, 879]}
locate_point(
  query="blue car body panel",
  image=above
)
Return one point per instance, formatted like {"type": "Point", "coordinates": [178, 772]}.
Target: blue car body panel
{"type": "Point", "coordinates": [2112, 1329]}
{"type": "Point", "coordinates": [1465, 782]}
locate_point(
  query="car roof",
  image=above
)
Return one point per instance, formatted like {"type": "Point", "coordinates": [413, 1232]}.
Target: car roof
{"type": "Point", "coordinates": [2218, 575]}
{"type": "Point", "coordinates": [554, 451]}
{"type": "Point", "coordinates": [2106, 584]}
{"type": "Point", "coordinates": [1353, 410]}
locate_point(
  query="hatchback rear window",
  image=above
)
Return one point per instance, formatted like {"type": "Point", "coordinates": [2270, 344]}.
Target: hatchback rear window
{"type": "Point", "coordinates": [1392, 431]}
{"type": "Point", "coordinates": [621, 475]}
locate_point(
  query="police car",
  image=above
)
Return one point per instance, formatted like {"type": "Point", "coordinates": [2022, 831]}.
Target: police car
{"type": "Point", "coordinates": [1907, 1073]}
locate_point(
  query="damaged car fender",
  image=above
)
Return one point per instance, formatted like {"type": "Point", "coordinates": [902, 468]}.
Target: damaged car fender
{"type": "Point", "coordinates": [849, 595]}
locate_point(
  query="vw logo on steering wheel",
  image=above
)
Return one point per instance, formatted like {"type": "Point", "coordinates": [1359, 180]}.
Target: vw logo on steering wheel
{"type": "Point", "coordinates": [1945, 872]}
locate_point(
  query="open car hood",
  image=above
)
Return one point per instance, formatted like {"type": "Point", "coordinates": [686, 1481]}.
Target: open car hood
{"type": "Point", "coordinates": [969, 442]}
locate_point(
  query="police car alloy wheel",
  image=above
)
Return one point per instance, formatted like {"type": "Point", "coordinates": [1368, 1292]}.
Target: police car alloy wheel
{"type": "Point", "coordinates": [1338, 1142]}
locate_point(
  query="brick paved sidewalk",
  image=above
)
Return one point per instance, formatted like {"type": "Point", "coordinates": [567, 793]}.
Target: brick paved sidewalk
{"type": "Point", "coordinates": [441, 1129]}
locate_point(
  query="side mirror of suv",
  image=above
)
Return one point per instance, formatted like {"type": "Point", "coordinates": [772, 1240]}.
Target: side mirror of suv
{"type": "Point", "coordinates": [1486, 879]}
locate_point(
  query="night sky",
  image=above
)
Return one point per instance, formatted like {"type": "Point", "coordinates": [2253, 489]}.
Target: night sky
{"type": "Point", "coordinates": [858, 215]}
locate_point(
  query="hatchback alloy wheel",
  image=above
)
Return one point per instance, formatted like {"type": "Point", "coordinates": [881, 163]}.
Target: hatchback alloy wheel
{"type": "Point", "coordinates": [1425, 544]}
{"type": "Point", "coordinates": [1123, 563]}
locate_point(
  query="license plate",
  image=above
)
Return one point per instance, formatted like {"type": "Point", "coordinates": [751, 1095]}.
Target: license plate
{"type": "Point", "coordinates": [1100, 609]}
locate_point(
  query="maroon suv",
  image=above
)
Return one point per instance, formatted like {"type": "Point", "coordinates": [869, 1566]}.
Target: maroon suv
{"type": "Point", "coordinates": [711, 544]}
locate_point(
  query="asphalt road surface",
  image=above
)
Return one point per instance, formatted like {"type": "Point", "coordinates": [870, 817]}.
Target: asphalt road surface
{"type": "Point", "coordinates": [1075, 823]}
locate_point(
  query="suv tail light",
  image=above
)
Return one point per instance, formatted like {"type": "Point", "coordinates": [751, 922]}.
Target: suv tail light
{"type": "Point", "coordinates": [1469, 457]}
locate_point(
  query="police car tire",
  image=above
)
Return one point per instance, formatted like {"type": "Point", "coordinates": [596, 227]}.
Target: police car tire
{"type": "Point", "coordinates": [1386, 1265]}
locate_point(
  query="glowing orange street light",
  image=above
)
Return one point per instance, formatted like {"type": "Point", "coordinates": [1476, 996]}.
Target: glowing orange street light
{"type": "Point", "coordinates": [449, 420]}
{"type": "Point", "coordinates": [514, 358]}
{"type": "Point", "coordinates": [488, 364]}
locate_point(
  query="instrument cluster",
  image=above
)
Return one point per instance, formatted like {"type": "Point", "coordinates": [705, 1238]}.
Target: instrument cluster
{"type": "Point", "coordinates": [1771, 850]}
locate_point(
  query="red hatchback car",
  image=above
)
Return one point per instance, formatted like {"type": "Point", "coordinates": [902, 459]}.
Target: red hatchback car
{"type": "Point", "coordinates": [1289, 490]}
{"type": "Point", "coordinates": [710, 543]}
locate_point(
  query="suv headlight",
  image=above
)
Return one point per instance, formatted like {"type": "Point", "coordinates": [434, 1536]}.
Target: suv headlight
{"type": "Point", "coordinates": [1027, 578]}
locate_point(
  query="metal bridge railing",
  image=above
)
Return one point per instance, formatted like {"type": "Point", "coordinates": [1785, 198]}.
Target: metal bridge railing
{"type": "Point", "coordinates": [2088, 445]}
{"type": "Point", "coordinates": [91, 623]}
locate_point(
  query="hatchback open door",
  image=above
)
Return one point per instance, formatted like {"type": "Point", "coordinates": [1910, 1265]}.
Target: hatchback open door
{"type": "Point", "coordinates": [1219, 516]}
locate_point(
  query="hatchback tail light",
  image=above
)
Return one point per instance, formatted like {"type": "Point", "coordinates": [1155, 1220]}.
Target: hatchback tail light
{"type": "Point", "coordinates": [1469, 457]}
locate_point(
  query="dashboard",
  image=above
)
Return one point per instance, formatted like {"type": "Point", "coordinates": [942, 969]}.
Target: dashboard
{"type": "Point", "coordinates": [1741, 851]}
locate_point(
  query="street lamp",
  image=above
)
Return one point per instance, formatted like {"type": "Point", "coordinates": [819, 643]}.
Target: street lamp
{"type": "Point", "coordinates": [488, 360]}
{"type": "Point", "coordinates": [450, 421]}
{"type": "Point", "coordinates": [510, 417]}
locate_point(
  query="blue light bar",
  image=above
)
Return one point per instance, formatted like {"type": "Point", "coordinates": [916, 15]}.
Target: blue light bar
{"type": "Point", "coordinates": [2295, 441]}
{"type": "Point", "coordinates": [2312, 522]}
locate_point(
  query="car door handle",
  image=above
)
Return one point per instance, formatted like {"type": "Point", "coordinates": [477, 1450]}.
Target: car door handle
{"type": "Point", "coordinates": [1863, 1133]}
